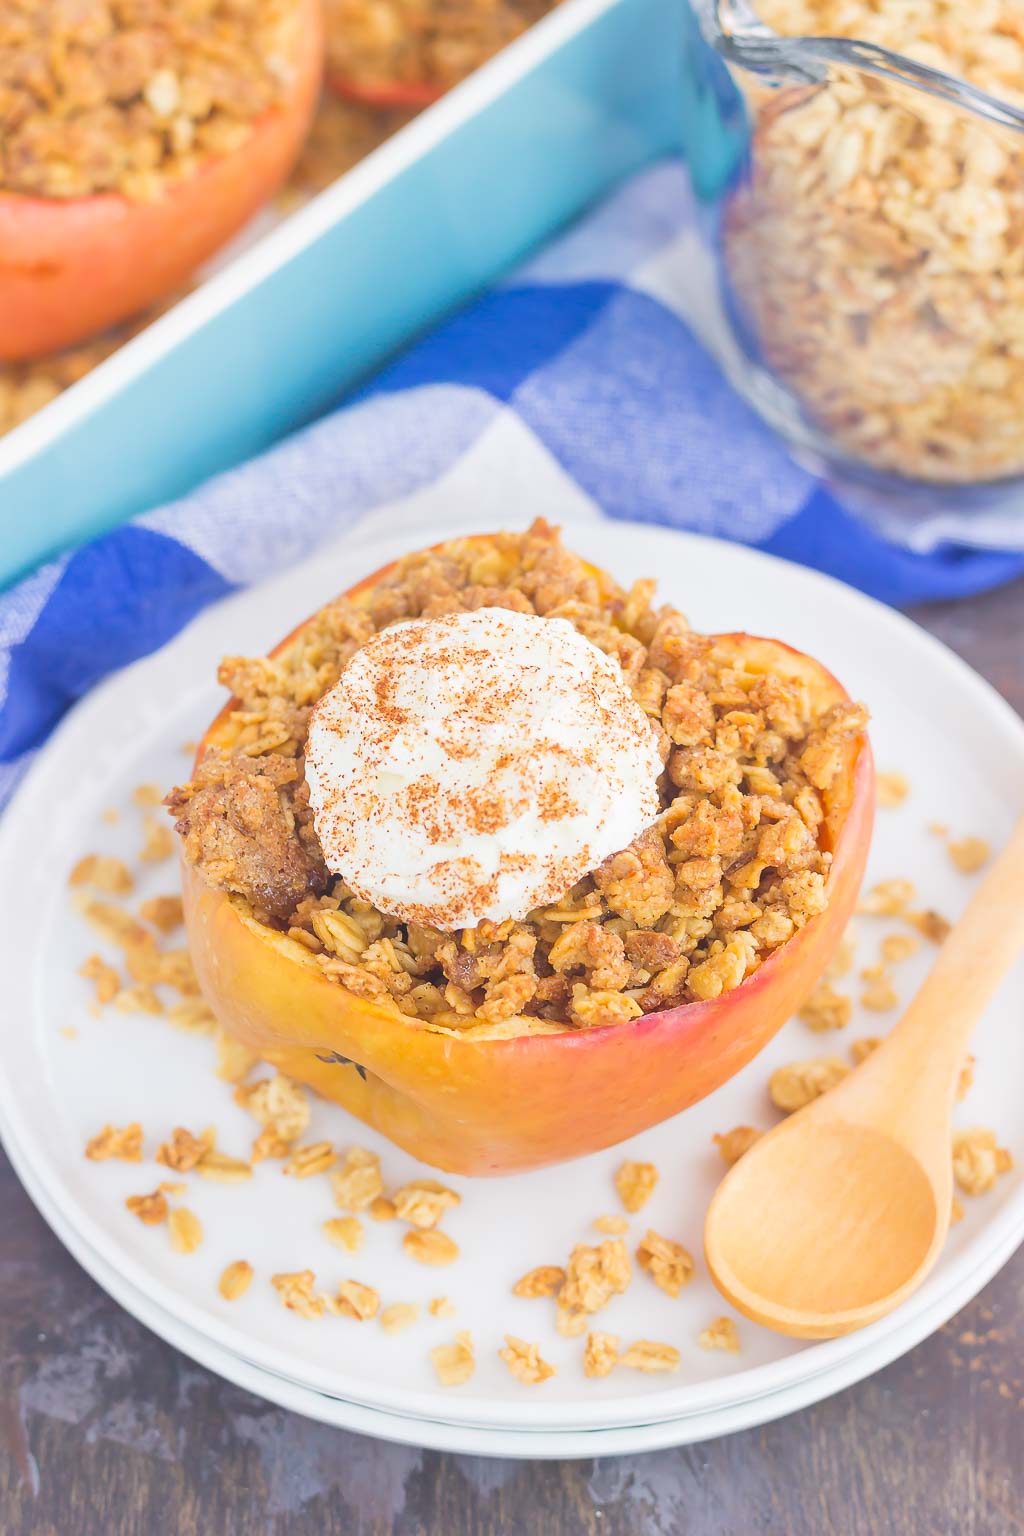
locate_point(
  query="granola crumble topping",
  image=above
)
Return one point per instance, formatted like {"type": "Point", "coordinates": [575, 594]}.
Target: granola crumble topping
{"type": "Point", "coordinates": [737, 863]}
{"type": "Point", "coordinates": [124, 98]}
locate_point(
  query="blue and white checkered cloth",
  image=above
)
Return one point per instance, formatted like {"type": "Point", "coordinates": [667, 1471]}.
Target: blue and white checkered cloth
{"type": "Point", "coordinates": [579, 385]}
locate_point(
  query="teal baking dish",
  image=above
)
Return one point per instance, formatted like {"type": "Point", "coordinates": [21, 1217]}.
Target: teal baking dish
{"type": "Point", "coordinates": [591, 93]}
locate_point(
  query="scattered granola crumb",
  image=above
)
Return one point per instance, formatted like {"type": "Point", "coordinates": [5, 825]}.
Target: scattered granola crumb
{"type": "Point", "coordinates": [880, 995]}
{"type": "Point", "coordinates": [422, 1202]}
{"type": "Point", "coordinates": [189, 747]}
{"type": "Point", "coordinates": [600, 1354]}
{"type": "Point", "coordinates": [893, 789]}
{"type": "Point", "coordinates": [356, 1300]}
{"type": "Point", "coordinates": [721, 1334]}
{"type": "Point", "coordinates": [235, 1280]}
{"type": "Point", "coordinates": [733, 1144]}
{"type": "Point", "coordinates": [611, 1226]}
{"type": "Point", "coordinates": [105, 979]}
{"type": "Point", "coordinates": [861, 1049]}
{"type": "Point", "coordinates": [158, 841]}
{"type": "Point", "coordinates": [827, 1009]}
{"type": "Point", "coordinates": [221, 1169]}
{"type": "Point", "coordinates": [978, 1160]}
{"type": "Point", "coordinates": [164, 912]}
{"type": "Point", "coordinates": [842, 961]}
{"type": "Point", "coordinates": [69, 1032]}
{"type": "Point", "coordinates": [307, 1161]}
{"type": "Point", "coordinates": [524, 1361]}
{"type": "Point", "coordinates": [594, 1275]}
{"type": "Point", "coordinates": [969, 854]}
{"type": "Point", "coordinates": [124, 1144]}
{"type": "Point", "coordinates": [192, 1016]}
{"type": "Point", "coordinates": [545, 1280]}
{"type": "Point", "coordinates": [635, 1183]}
{"type": "Point", "coordinates": [399, 1316]}
{"type": "Point", "coordinates": [938, 829]}
{"type": "Point", "coordinates": [139, 999]}
{"type": "Point", "coordinates": [668, 1263]}
{"type": "Point", "coordinates": [183, 1150]}
{"type": "Point", "coordinates": [930, 923]}
{"type": "Point", "coordinates": [296, 1292]}
{"type": "Point", "coordinates": [956, 1212]}
{"type": "Point", "coordinates": [147, 795]}
{"type": "Point", "coordinates": [344, 1232]}
{"type": "Point", "coordinates": [889, 898]}
{"type": "Point", "coordinates": [150, 1209]}
{"type": "Point", "coordinates": [276, 1103]}
{"type": "Point", "coordinates": [382, 1209]}
{"type": "Point", "coordinates": [111, 815]}
{"type": "Point", "coordinates": [897, 947]}
{"type": "Point", "coordinates": [965, 1082]}
{"type": "Point", "coordinates": [646, 1355]}
{"type": "Point", "coordinates": [358, 1182]}
{"type": "Point", "coordinates": [442, 1306]}
{"type": "Point", "coordinates": [234, 1060]}
{"type": "Point", "coordinates": [570, 1322]}
{"type": "Point", "coordinates": [186, 1230]}
{"type": "Point", "coordinates": [430, 1247]}
{"type": "Point", "coordinates": [454, 1363]}
{"type": "Point", "coordinates": [109, 875]}
{"type": "Point", "coordinates": [794, 1086]}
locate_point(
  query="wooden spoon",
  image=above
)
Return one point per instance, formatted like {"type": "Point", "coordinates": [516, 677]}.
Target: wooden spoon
{"type": "Point", "coordinates": [838, 1214]}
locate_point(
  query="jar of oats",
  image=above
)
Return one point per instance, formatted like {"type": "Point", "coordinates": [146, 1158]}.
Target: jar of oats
{"type": "Point", "coordinates": [871, 239]}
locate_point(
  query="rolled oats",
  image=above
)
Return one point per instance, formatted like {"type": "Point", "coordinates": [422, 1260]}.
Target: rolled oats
{"type": "Point", "coordinates": [183, 1151]}
{"type": "Point", "coordinates": [668, 1263]}
{"type": "Point", "coordinates": [382, 1209]}
{"type": "Point", "coordinates": [524, 1361]}
{"type": "Point", "coordinates": [442, 1306]}
{"type": "Point", "coordinates": [635, 1183]}
{"type": "Point", "coordinates": [277, 1103]}
{"type": "Point", "coordinates": [304, 1162]}
{"type": "Point", "coordinates": [103, 976]}
{"type": "Point", "coordinates": [721, 1334]}
{"type": "Point", "coordinates": [399, 1316]}
{"type": "Point", "coordinates": [646, 1355]}
{"type": "Point", "coordinates": [108, 875]}
{"type": "Point", "coordinates": [434, 1248]}
{"type": "Point", "coordinates": [344, 1232]}
{"type": "Point", "coordinates": [733, 1144]}
{"type": "Point", "coordinates": [235, 1280]}
{"type": "Point", "coordinates": [185, 1228]}
{"type": "Point", "coordinates": [611, 1226]}
{"type": "Point", "coordinates": [164, 912]}
{"type": "Point", "coordinates": [221, 1169]}
{"type": "Point", "coordinates": [790, 1088]}
{"type": "Point", "coordinates": [969, 854]}
{"type": "Point", "coordinates": [454, 1363]}
{"type": "Point", "coordinates": [124, 1144]}
{"type": "Point", "coordinates": [600, 1354]}
{"type": "Point", "coordinates": [545, 1280]}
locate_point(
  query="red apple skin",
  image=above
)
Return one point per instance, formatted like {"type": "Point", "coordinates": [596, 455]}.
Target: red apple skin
{"type": "Point", "coordinates": [485, 1107]}
{"type": "Point", "coordinates": [72, 267]}
{"type": "Point", "coordinates": [386, 94]}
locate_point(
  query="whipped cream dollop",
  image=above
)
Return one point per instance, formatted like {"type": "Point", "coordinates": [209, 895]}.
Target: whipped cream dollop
{"type": "Point", "coordinates": [475, 766]}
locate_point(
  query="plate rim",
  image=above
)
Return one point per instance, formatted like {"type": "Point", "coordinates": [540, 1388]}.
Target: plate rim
{"type": "Point", "coordinates": [758, 1381]}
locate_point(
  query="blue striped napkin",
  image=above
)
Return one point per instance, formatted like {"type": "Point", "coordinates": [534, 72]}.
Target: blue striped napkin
{"type": "Point", "coordinates": [580, 384]}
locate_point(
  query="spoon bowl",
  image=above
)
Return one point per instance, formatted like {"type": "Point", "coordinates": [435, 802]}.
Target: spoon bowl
{"type": "Point", "coordinates": [838, 1214]}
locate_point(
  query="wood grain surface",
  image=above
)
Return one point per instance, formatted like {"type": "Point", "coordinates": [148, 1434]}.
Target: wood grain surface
{"type": "Point", "coordinates": [106, 1431]}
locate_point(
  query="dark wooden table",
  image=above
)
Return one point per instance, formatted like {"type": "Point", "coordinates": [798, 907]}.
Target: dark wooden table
{"type": "Point", "coordinates": [106, 1431]}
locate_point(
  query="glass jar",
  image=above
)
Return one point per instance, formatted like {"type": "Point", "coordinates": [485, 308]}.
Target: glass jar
{"type": "Point", "coordinates": [869, 232]}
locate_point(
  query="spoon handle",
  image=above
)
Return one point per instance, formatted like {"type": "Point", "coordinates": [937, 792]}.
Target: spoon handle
{"type": "Point", "coordinates": [937, 1026]}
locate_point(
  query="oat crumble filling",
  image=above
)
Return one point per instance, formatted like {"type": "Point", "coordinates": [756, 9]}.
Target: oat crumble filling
{"type": "Point", "coordinates": [737, 863]}
{"type": "Point", "coordinates": [126, 95]}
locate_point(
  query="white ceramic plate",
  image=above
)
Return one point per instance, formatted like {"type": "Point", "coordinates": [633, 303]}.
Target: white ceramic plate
{"type": "Point", "coordinates": [964, 752]}
{"type": "Point", "coordinates": [547, 1445]}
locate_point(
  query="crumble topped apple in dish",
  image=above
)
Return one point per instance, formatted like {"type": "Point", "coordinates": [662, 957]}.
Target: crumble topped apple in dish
{"type": "Point", "coordinates": [509, 860]}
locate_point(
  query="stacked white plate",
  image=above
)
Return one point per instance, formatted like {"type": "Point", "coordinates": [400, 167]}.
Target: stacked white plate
{"type": "Point", "coordinates": [65, 1073]}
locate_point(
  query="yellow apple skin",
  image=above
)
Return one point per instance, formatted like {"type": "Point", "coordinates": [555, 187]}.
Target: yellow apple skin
{"type": "Point", "coordinates": [479, 1106]}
